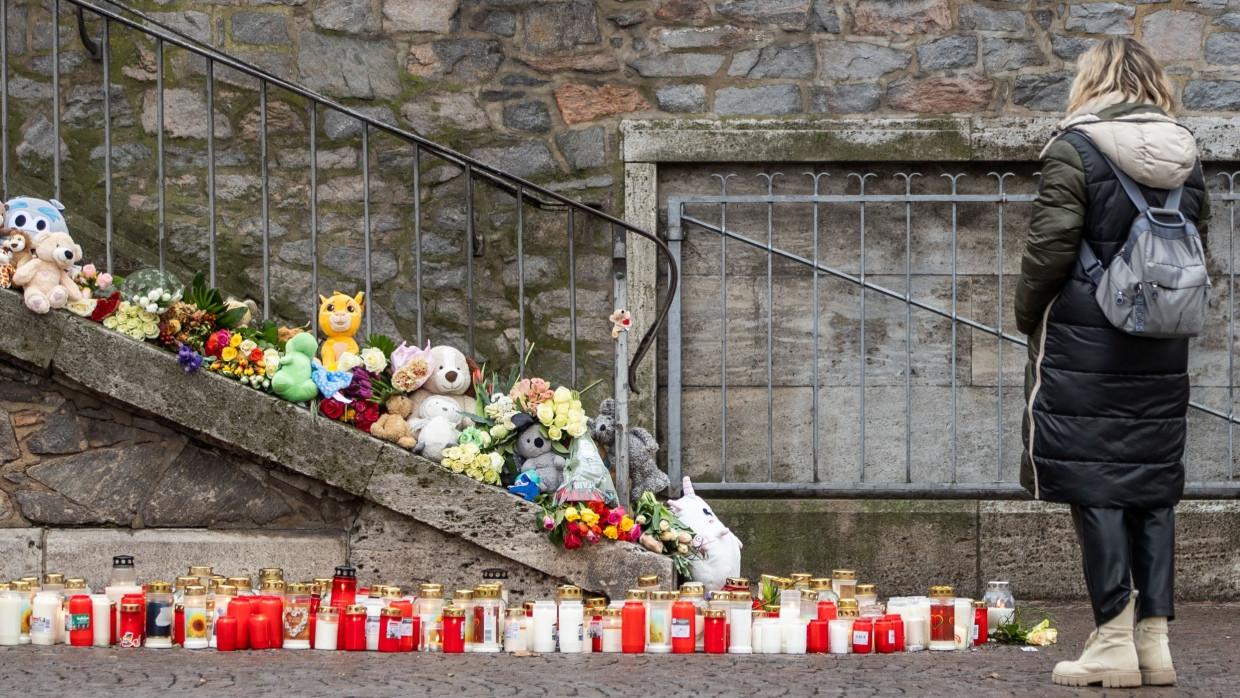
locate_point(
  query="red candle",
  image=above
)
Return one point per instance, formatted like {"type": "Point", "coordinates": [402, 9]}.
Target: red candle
{"type": "Point", "coordinates": [115, 616]}
{"type": "Point", "coordinates": [683, 627]}
{"type": "Point", "coordinates": [139, 599]}
{"type": "Point", "coordinates": [715, 635]}
{"type": "Point", "coordinates": [827, 610]}
{"type": "Point", "coordinates": [131, 625]}
{"type": "Point", "coordinates": [344, 588]}
{"type": "Point", "coordinates": [353, 629]}
{"type": "Point", "coordinates": [389, 630]}
{"type": "Point", "coordinates": [260, 632]}
{"type": "Point", "coordinates": [453, 630]}
{"type": "Point", "coordinates": [981, 627]}
{"type": "Point", "coordinates": [884, 636]}
{"type": "Point", "coordinates": [862, 636]}
{"type": "Point", "coordinates": [240, 608]}
{"type": "Point", "coordinates": [407, 635]}
{"type": "Point", "coordinates": [633, 623]}
{"type": "Point", "coordinates": [226, 633]}
{"type": "Point", "coordinates": [897, 623]}
{"type": "Point", "coordinates": [82, 632]}
{"type": "Point", "coordinates": [273, 608]}
{"type": "Point", "coordinates": [178, 625]}
{"type": "Point", "coordinates": [817, 641]}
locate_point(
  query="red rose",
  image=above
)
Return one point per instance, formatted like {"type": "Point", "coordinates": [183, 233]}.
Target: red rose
{"type": "Point", "coordinates": [256, 356]}
{"type": "Point", "coordinates": [105, 307]}
{"type": "Point", "coordinates": [332, 409]}
{"type": "Point", "coordinates": [366, 416]}
{"type": "Point", "coordinates": [572, 541]}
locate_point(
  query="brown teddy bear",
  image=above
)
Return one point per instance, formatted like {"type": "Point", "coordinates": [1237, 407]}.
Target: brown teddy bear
{"type": "Point", "coordinates": [18, 244]}
{"type": "Point", "coordinates": [394, 426]}
{"type": "Point", "coordinates": [45, 277]}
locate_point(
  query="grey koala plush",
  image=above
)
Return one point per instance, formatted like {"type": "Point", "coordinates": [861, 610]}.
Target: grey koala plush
{"type": "Point", "coordinates": [539, 457]}
{"type": "Point", "coordinates": [644, 473]}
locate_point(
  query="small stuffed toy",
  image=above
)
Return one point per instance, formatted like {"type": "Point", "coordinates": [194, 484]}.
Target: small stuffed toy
{"type": "Point", "coordinates": [435, 427]}
{"type": "Point", "coordinates": [644, 473]}
{"type": "Point", "coordinates": [620, 322]}
{"type": "Point", "coordinates": [392, 426]}
{"type": "Point", "coordinates": [35, 216]}
{"type": "Point", "coordinates": [542, 469]}
{"type": "Point", "coordinates": [6, 267]}
{"type": "Point", "coordinates": [45, 277]}
{"type": "Point", "coordinates": [292, 380]}
{"type": "Point", "coordinates": [339, 317]}
{"type": "Point", "coordinates": [720, 549]}
{"type": "Point", "coordinates": [450, 374]}
{"type": "Point", "coordinates": [19, 245]}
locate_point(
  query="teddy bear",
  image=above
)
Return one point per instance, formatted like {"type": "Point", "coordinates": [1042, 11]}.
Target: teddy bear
{"type": "Point", "coordinates": [644, 473]}
{"type": "Point", "coordinates": [45, 276]}
{"type": "Point", "coordinates": [542, 469]}
{"type": "Point", "coordinates": [393, 425]}
{"type": "Point", "coordinates": [450, 375]}
{"type": "Point", "coordinates": [435, 427]}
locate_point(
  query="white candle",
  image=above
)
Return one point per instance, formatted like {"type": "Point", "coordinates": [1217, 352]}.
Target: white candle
{"type": "Point", "coordinates": [327, 631]}
{"type": "Point", "coordinates": [798, 635]}
{"type": "Point", "coordinates": [740, 629]}
{"type": "Point", "coordinates": [839, 633]}
{"type": "Point", "coordinates": [772, 635]}
{"type": "Point", "coordinates": [44, 613]}
{"type": "Point", "coordinates": [10, 618]}
{"type": "Point", "coordinates": [964, 621]}
{"type": "Point", "coordinates": [613, 639]}
{"type": "Point", "coordinates": [572, 622]}
{"type": "Point", "coordinates": [101, 619]}
{"type": "Point", "coordinates": [996, 616]}
{"type": "Point", "coordinates": [916, 634]}
{"type": "Point", "coordinates": [542, 639]}
{"type": "Point", "coordinates": [514, 635]}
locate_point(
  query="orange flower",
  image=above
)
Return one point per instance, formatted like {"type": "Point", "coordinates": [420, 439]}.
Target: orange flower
{"type": "Point", "coordinates": [256, 356]}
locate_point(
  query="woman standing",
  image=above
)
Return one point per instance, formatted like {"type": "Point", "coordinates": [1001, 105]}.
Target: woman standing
{"type": "Point", "coordinates": [1104, 425]}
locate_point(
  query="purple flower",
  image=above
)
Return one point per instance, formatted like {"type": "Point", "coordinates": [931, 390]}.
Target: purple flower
{"type": "Point", "coordinates": [189, 358]}
{"type": "Point", "coordinates": [361, 388]}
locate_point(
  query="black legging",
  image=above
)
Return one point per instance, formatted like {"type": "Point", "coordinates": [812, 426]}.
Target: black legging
{"type": "Point", "coordinates": [1122, 548]}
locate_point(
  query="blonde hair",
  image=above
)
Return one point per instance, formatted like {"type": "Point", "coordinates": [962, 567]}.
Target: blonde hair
{"type": "Point", "coordinates": [1119, 69]}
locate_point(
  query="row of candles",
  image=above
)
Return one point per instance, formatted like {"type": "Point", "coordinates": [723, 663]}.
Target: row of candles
{"type": "Point", "coordinates": [202, 609]}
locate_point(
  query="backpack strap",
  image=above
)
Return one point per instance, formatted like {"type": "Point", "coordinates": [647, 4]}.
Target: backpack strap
{"type": "Point", "coordinates": [1089, 262]}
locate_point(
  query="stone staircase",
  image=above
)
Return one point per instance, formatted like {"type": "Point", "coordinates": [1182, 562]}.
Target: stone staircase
{"type": "Point", "coordinates": [109, 447]}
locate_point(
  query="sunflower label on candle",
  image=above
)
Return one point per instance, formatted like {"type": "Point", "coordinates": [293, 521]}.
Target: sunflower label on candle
{"type": "Point", "coordinates": [196, 624]}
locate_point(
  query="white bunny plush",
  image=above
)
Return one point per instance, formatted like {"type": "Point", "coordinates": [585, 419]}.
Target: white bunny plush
{"type": "Point", "coordinates": [719, 547]}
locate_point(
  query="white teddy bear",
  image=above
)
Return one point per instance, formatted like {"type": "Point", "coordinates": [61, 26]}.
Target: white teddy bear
{"type": "Point", "coordinates": [435, 426]}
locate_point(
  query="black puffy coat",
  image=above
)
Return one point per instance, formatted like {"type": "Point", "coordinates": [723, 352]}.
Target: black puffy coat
{"type": "Point", "coordinates": [1105, 418]}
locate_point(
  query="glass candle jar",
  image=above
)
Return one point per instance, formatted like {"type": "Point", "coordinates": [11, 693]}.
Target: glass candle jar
{"type": "Point", "coordinates": [245, 586]}
{"type": "Point", "coordinates": [353, 628]}
{"type": "Point", "coordinates": [130, 627]}
{"type": "Point", "coordinates": [21, 589]}
{"type": "Point", "coordinates": [344, 587]}
{"type": "Point", "coordinates": [394, 599]}
{"type": "Point", "coordinates": [867, 595]}
{"type": "Point", "coordinates": [942, 618]}
{"type": "Point", "coordinates": [514, 631]}
{"type": "Point", "coordinates": [594, 624]}
{"type": "Point", "coordinates": [740, 624]}
{"type": "Point", "coordinates": [980, 634]}
{"type": "Point", "coordinates": [430, 614]}
{"type": "Point", "coordinates": [822, 585]}
{"type": "Point", "coordinates": [389, 630]}
{"type": "Point", "coordinates": [863, 636]}
{"type": "Point", "coordinates": [453, 630]}
{"type": "Point", "coordinates": [808, 604]}
{"type": "Point", "coordinates": [488, 619]}
{"type": "Point", "coordinates": [661, 622]}
{"type": "Point", "coordinates": [695, 593]}
{"type": "Point", "coordinates": [224, 595]}
{"type": "Point", "coordinates": [297, 617]}
{"type": "Point", "coordinates": [195, 617]}
{"type": "Point", "coordinates": [633, 622]}
{"type": "Point", "coordinates": [327, 628]}
{"type": "Point", "coordinates": [684, 627]}
{"type": "Point", "coordinates": [570, 619]}
{"type": "Point", "coordinates": [715, 634]}
{"type": "Point", "coordinates": [963, 633]}
{"type": "Point", "coordinates": [1000, 605]}
{"type": "Point", "coordinates": [322, 592]}
{"type": "Point", "coordinates": [543, 638]}
{"type": "Point", "coordinates": [818, 636]}
{"type": "Point", "coordinates": [796, 640]}
{"type": "Point", "coordinates": [840, 632]}
{"type": "Point", "coordinates": [613, 630]}
{"type": "Point", "coordinates": [159, 614]}
{"type": "Point", "coordinates": [464, 600]}
{"type": "Point", "coordinates": [844, 583]}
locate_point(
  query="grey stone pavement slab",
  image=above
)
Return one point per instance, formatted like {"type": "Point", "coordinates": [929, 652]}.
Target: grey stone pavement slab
{"type": "Point", "coordinates": [1204, 644]}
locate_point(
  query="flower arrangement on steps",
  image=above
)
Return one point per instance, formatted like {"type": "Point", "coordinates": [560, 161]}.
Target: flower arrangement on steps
{"type": "Point", "coordinates": [517, 431]}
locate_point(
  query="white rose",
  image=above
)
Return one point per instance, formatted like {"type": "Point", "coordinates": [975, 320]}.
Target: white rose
{"type": "Point", "coordinates": [247, 346]}
{"type": "Point", "coordinates": [347, 361]}
{"type": "Point", "coordinates": [374, 360]}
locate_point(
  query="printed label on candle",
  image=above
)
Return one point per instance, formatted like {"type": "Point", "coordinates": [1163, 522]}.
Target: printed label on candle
{"type": "Point", "coordinates": [40, 624]}
{"type": "Point", "coordinates": [680, 628]}
{"type": "Point", "coordinates": [196, 625]}
{"type": "Point", "coordinates": [372, 625]}
{"type": "Point", "coordinates": [406, 627]}
{"type": "Point", "coordinates": [861, 637]}
{"type": "Point", "coordinates": [656, 628]}
{"type": "Point", "coordinates": [512, 631]}
{"type": "Point", "coordinates": [891, 637]}
{"type": "Point", "coordinates": [394, 631]}
{"type": "Point", "coordinates": [488, 629]}
{"type": "Point", "coordinates": [79, 621]}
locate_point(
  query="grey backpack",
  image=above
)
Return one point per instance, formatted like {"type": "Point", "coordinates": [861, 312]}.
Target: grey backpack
{"type": "Point", "coordinates": [1156, 285]}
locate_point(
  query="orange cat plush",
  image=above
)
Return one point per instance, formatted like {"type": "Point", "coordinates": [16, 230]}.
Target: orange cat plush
{"type": "Point", "coordinates": [339, 317]}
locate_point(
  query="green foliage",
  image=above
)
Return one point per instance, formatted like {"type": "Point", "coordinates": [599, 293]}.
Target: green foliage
{"type": "Point", "coordinates": [210, 300]}
{"type": "Point", "coordinates": [383, 343]}
{"type": "Point", "coordinates": [1017, 631]}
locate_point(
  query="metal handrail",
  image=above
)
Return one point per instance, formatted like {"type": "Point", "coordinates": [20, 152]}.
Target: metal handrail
{"type": "Point", "coordinates": [517, 186]}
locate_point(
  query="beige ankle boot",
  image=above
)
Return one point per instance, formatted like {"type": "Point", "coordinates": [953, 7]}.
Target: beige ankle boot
{"type": "Point", "coordinates": [1110, 657]}
{"type": "Point", "coordinates": [1153, 652]}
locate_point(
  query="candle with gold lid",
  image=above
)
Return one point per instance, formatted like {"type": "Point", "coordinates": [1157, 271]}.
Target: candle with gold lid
{"type": "Point", "coordinates": [800, 580]}
{"type": "Point", "coordinates": [942, 618]}
{"type": "Point", "coordinates": [296, 620]}
{"type": "Point", "coordinates": [735, 584]}
{"type": "Point", "coordinates": [244, 585]}
{"type": "Point", "coordinates": [844, 583]}
{"type": "Point", "coordinates": [270, 573]}
{"type": "Point", "coordinates": [430, 616]}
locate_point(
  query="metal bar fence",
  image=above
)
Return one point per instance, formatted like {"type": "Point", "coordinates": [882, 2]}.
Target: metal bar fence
{"type": "Point", "coordinates": [531, 199]}
{"type": "Point", "coordinates": [683, 218]}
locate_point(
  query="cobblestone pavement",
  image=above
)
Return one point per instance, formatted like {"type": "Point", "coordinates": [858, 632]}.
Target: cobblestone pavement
{"type": "Point", "coordinates": [1207, 658]}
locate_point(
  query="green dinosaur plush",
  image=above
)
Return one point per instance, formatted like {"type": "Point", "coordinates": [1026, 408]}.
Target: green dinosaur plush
{"type": "Point", "coordinates": [292, 380]}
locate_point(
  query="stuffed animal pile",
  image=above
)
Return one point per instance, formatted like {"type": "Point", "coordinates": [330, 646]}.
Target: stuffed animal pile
{"type": "Point", "coordinates": [39, 254]}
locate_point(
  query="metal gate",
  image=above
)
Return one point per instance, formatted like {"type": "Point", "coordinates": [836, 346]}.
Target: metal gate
{"type": "Point", "coordinates": [746, 224]}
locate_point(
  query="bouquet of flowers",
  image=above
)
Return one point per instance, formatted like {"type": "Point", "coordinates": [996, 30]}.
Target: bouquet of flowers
{"type": "Point", "coordinates": [664, 533]}
{"type": "Point", "coordinates": [244, 355]}
{"type": "Point", "coordinates": [92, 282]}
{"type": "Point", "coordinates": [359, 404]}
{"type": "Point", "coordinates": [570, 525]}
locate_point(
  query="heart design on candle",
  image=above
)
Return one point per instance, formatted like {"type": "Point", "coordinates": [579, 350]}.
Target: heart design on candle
{"type": "Point", "coordinates": [296, 620]}
{"type": "Point", "coordinates": [936, 621]}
